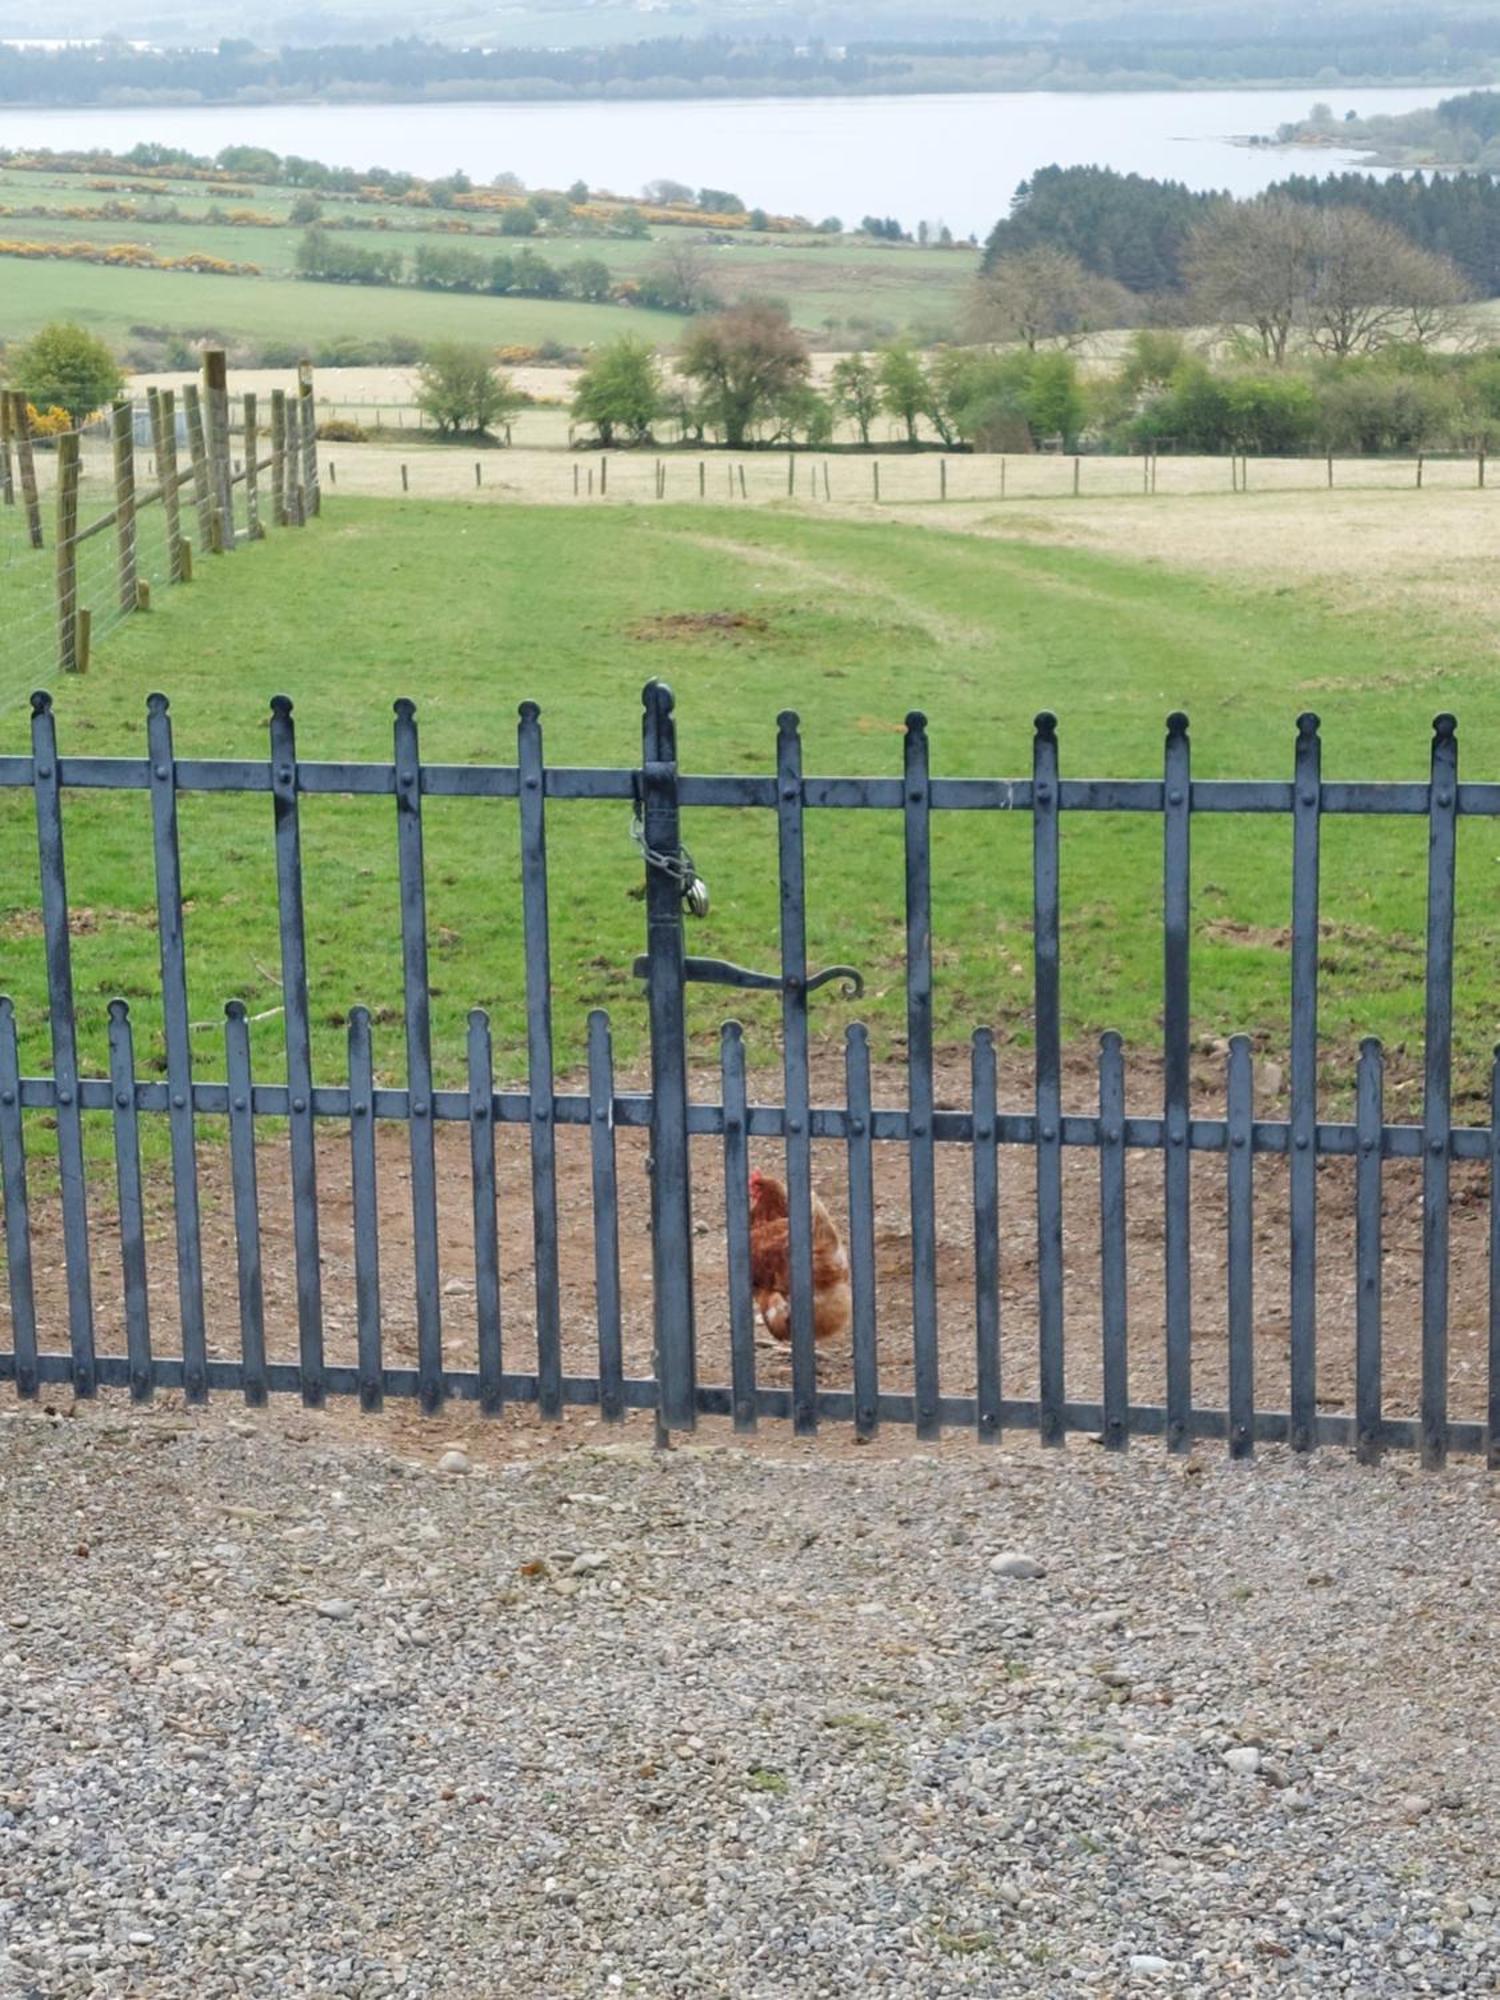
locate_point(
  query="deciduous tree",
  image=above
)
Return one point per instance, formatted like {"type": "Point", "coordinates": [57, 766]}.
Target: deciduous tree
{"type": "Point", "coordinates": [744, 362]}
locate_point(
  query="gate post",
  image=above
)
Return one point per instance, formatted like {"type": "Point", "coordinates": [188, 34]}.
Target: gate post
{"type": "Point", "coordinates": [669, 1166]}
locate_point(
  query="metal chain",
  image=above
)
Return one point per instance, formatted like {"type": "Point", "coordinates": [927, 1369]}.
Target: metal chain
{"type": "Point", "coordinates": [677, 867]}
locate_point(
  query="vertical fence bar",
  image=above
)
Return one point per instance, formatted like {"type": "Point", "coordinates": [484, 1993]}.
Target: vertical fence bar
{"type": "Point", "coordinates": [293, 928]}
{"type": "Point", "coordinates": [481, 1066]}
{"type": "Point", "coordinates": [1177, 1081]}
{"type": "Point", "coordinates": [919, 1076]}
{"type": "Point", "coordinates": [68, 657]}
{"type": "Point", "coordinates": [737, 1225]}
{"type": "Point", "coordinates": [793, 885]}
{"type": "Point", "coordinates": [122, 444]}
{"type": "Point", "coordinates": [132, 1204]}
{"type": "Point", "coordinates": [861, 1152]}
{"type": "Point", "coordinates": [1307, 798]}
{"type": "Point", "coordinates": [1240, 1177]}
{"type": "Point", "coordinates": [17, 1207]}
{"type": "Point", "coordinates": [1368, 1247]}
{"type": "Point", "coordinates": [671, 1193]}
{"type": "Point", "coordinates": [1437, 1104]}
{"type": "Point", "coordinates": [203, 498]}
{"type": "Point", "coordinates": [252, 469]}
{"type": "Point", "coordinates": [606, 1217]}
{"type": "Point", "coordinates": [1492, 1409]}
{"type": "Point", "coordinates": [539, 1067]}
{"type": "Point", "coordinates": [47, 792]}
{"type": "Point", "coordinates": [1113, 1280]}
{"type": "Point", "coordinates": [986, 1177]}
{"type": "Point", "coordinates": [364, 1188]}
{"type": "Point", "coordinates": [411, 869]}
{"type": "Point", "coordinates": [1045, 897]}
{"type": "Point", "coordinates": [244, 1182]}
{"type": "Point", "coordinates": [20, 418]}
{"type": "Point", "coordinates": [173, 955]}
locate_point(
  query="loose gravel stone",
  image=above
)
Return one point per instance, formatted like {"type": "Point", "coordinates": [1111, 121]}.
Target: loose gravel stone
{"type": "Point", "coordinates": [1012, 1564]}
{"type": "Point", "coordinates": [794, 1737]}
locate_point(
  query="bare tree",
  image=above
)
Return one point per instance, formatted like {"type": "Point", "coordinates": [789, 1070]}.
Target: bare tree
{"type": "Point", "coordinates": [1043, 295]}
{"type": "Point", "coordinates": [679, 276]}
{"type": "Point", "coordinates": [1250, 265]}
{"type": "Point", "coordinates": [1371, 285]}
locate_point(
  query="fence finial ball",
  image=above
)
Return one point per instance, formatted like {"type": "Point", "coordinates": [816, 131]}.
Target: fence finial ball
{"type": "Point", "coordinates": [916, 722]}
{"type": "Point", "coordinates": [234, 1010]}
{"type": "Point", "coordinates": [41, 702]}
{"type": "Point", "coordinates": [1308, 724]}
{"type": "Point", "coordinates": [403, 708]}
{"type": "Point", "coordinates": [529, 711]}
{"type": "Point", "coordinates": [281, 705]}
{"type": "Point", "coordinates": [1045, 725]}
{"type": "Point", "coordinates": [656, 694]}
{"type": "Point", "coordinates": [1177, 723]}
{"type": "Point", "coordinates": [1445, 724]}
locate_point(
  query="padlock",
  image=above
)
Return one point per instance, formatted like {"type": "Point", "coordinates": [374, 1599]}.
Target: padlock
{"type": "Point", "coordinates": [695, 896]}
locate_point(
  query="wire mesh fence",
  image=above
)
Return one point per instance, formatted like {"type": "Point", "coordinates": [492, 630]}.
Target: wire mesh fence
{"type": "Point", "coordinates": [96, 518]}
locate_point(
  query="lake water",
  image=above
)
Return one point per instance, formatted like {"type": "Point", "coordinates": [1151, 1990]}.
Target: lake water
{"type": "Point", "coordinates": [950, 159]}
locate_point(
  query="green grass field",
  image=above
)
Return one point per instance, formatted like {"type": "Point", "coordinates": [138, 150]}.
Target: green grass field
{"type": "Point", "coordinates": [843, 282]}
{"type": "Point", "coordinates": [471, 610]}
{"type": "Point", "coordinates": [112, 301]}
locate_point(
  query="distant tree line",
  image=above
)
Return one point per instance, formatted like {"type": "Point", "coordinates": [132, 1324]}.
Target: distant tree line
{"type": "Point", "coordinates": [1157, 51]}
{"type": "Point", "coordinates": [1136, 231]}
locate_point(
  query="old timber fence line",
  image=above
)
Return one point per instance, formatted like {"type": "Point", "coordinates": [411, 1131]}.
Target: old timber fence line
{"type": "Point", "coordinates": [659, 790]}
{"type": "Point", "coordinates": [80, 544]}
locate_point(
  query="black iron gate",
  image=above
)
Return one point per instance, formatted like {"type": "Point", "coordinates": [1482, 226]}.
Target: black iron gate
{"type": "Point", "coordinates": [659, 791]}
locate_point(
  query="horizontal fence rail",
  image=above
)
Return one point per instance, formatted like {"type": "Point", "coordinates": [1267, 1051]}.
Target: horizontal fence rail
{"type": "Point", "coordinates": [300, 1105]}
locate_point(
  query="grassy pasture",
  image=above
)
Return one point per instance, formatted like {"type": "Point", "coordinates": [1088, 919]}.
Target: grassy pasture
{"type": "Point", "coordinates": [822, 280]}
{"type": "Point", "coordinates": [852, 623]}
{"type": "Point", "coordinates": [110, 301]}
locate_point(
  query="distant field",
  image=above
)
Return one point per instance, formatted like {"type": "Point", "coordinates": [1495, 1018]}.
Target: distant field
{"type": "Point", "coordinates": [852, 622]}
{"type": "Point", "coordinates": [852, 285]}
{"type": "Point", "coordinates": [112, 302]}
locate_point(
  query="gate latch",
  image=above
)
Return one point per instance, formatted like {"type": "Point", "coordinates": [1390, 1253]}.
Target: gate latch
{"type": "Point", "coordinates": [721, 972]}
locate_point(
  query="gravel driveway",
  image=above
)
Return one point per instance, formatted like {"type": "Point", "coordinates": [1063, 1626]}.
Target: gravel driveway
{"type": "Point", "coordinates": [285, 1709]}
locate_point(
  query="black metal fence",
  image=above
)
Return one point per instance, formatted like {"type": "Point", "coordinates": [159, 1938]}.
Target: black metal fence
{"type": "Point", "coordinates": [667, 1112]}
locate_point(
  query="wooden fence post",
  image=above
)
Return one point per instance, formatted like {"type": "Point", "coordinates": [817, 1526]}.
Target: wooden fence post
{"type": "Point", "coordinates": [603, 477]}
{"type": "Point", "coordinates": [478, 473]}
{"type": "Point", "coordinates": [278, 457]}
{"type": "Point", "coordinates": [313, 501]}
{"type": "Point", "coordinates": [162, 405]}
{"type": "Point", "coordinates": [702, 479]}
{"type": "Point", "coordinates": [20, 423]}
{"type": "Point", "coordinates": [942, 479]}
{"type": "Point", "coordinates": [875, 478]}
{"type": "Point", "coordinates": [1330, 472]}
{"type": "Point", "coordinates": [1481, 466]}
{"type": "Point", "coordinates": [1077, 475]}
{"type": "Point", "coordinates": [192, 405]}
{"type": "Point", "coordinates": [122, 437]}
{"type": "Point", "coordinates": [252, 469]}
{"type": "Point", "coordinates": [7, 478]}
{"type": "Point", "coordinates": [1419, 472]}
{"type": "Point", "coordinates": [1002, 479]}
{"type": "Point", "coordinates": [67, 552]}
{"type": "Point", "coordinates": [216, 408]}
{"type": "Point", "coordinates": [743, 494]}
{"type": "Point", "coordinates": [404, 486]}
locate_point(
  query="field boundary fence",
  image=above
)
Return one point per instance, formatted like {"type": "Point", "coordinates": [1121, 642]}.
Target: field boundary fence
{"type": "Point", "coordinates": [1027, 1383]}
{"type": "Point", "coordinates": [95, 518]}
